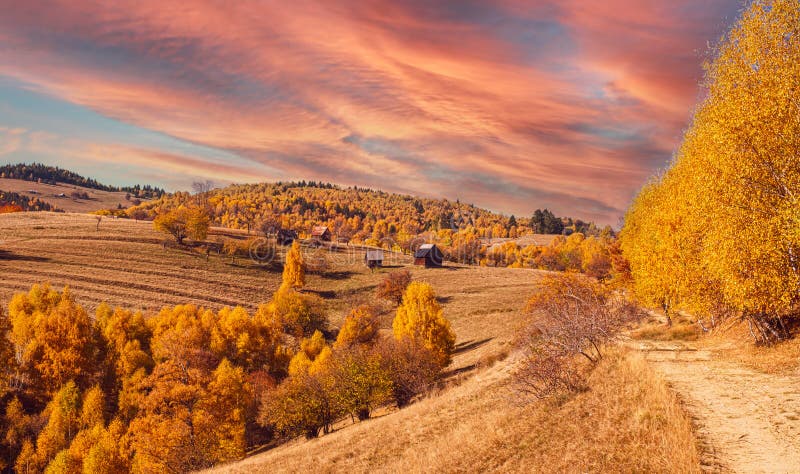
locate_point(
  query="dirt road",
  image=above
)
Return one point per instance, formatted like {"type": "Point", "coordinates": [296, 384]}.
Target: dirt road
{"type": "Point", "coordinates": [748, 421]}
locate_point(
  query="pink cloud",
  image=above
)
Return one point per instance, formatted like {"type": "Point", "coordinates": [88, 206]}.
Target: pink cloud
{"type": "Point", "coordinates": [512, 105]}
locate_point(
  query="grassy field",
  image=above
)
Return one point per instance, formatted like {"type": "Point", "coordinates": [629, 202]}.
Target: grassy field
{"type": "Point", "coordinates": [629, 421]}
{"type": "Point", "coordinates": [525, 240]}
{"type": "Point", "coordinates": [50, 194]}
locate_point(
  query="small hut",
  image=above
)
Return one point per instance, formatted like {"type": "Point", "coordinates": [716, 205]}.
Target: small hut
{"type": "Point", "coordinates": [321, 233]}
{"type": "Point", "coordinates": [428, 255]}
{"type": "Point", "coordinates": [286, 236]}
{"type": "Point", "coordinates": [374, 258]}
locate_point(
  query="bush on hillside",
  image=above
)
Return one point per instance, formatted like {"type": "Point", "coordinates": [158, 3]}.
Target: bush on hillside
{"type": "Point", "coordinates": [394, 285]}
{"type": "Point", "coordinates": [574, 316]}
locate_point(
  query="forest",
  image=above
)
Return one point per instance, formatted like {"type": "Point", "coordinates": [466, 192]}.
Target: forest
{"type": "Point", "coordinates": [353, 214]}
{"type": "Point", "coordinates": [53, 174]}
{"type": "Point", "coordinates": [718, 233]}
{"type": "Point", "coordinates": [188, 387]}
{"type": "Point", "coordinates": [15, 202]}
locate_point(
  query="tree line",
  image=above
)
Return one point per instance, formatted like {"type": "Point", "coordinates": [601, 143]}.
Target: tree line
{"type": "Point", "coordinates": [15, 202]}
{"type": "Point", "coordinates": [188, 387]}
{"type": "Point", "coordinates": [352, 214]}
{"type": "Point", "coordinates": [718, 233]}
{"type": "Point", "coordinates": [53, 175]}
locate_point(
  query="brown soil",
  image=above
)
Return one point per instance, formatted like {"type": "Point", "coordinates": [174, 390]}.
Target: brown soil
{"type": "Point", "coordinates": [748, 421]}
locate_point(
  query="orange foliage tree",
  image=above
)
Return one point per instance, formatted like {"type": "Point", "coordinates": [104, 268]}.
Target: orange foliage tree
{"type": "Point", "coordinates": [718, 232]}
{"type": "Point", "coordinates": [421, 319]}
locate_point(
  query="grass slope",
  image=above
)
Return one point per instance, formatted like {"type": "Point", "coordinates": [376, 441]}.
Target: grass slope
{"type": "Point", "coordinates": [49, 193]}
{"type": "Point", "coordinates": [629, 421]}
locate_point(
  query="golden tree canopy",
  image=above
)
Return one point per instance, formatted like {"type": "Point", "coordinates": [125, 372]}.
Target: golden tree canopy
{"type": "Point", "coordinates": [294, 270]}
{"type": "Point", "coordinates": [420, 318]}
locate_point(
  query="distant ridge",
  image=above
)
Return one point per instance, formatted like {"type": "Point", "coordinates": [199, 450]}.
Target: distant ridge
{"type": "Point", "coordinates": [52, 174]}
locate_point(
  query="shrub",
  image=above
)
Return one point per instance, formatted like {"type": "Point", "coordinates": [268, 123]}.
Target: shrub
{"type": "Point", "coordinates": [573, 316]}
{"type": "Point", "coordinates": [412, 367]}
{"type": "Point", "coordinates": [394, 285]}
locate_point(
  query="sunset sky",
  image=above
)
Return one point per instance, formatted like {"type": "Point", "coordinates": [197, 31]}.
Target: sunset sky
{"type": "Point", "coordinates": [510, 105]}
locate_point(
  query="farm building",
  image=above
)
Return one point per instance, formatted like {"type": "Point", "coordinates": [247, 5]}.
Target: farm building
{"type": "Point", "coordinates": [286, 236]}
{"type": "Point", "coordinates": [428, 255]}
{"type": "Point", "coordinates": [321, 232]}
{"type": "Point", "coordinates": [374, 258]}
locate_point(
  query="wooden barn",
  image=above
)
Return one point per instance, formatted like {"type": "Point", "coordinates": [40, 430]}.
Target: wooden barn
{"type": "Point", "coordinates": [321, 232]}
{"type": "Point", "coordinates": [428, 255]}
{"type": "Point", "coordinates": [374, 258]}
{"type": "Point", "coordinates": [286, 236]}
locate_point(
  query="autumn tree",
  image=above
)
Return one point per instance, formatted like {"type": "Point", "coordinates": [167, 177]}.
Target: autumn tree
{"type": "Point", "coordinates": [227, 402]}
{"type": "Point", "coordinates": [420, 318]}
{"type": "Point", "coordinates": [7, 361]}
{"type": "Point", "coordinates": [63, 423]}
{"type": "Point", "coordinates": [302, 405]}
{"type": "Point", "coordinates": [247, 342]}
{"type": "Point", "coordinates": [361, 382]}
{"type": "Point", "coordinates": [19, 427]}
{"type": "Point", "coordinates": [299, 314]}
{"type": "Point", "coordinates": [126, 341]}
{"type": "Point", "coordinates": [169, 433]}
{"type": "Point", "coordinates": [106, 454]}
{"type": "Point", "coordinates": [312, 357]}
{"type": "Point", "coordinates": [190, 419]}
{"type": "Point", "coordinates": [412, 368]}
{"type": "Point", "coordinates": [91, 425]}
{"type": "Point", "coordinates": [394, 285]}
{"type": "Point", "coordinates": [294, 270]}
{"type": "Point", "coordinates": [183, 222]}
{"type": "Point", "coordinates": [53, 337]}
{"type": "Point", "coordinates": [359, 327]}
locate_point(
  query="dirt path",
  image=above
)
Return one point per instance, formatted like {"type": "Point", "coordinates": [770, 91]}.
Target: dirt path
{"type": "Point", "coordinates": [749, 421]}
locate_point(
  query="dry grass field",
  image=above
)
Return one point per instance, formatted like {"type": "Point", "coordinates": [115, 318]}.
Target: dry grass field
{"type": "Point", "coordinates": [629, 421]}
{"type": "Point", "coordinates": [50, 193]}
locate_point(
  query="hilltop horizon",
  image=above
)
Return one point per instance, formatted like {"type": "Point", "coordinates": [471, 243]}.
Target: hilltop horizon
{"type": "Point", "coordinates": [95, 183]}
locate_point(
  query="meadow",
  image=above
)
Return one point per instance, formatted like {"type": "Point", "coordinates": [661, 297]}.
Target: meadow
{"type": "Point", "coordinates": [50, 193]}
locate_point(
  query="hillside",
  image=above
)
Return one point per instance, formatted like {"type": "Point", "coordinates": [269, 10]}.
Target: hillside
{"type": "Point", "coordinates": [126, 263]}
{"type": "Point", "coordinates": [628, 422]}
{"type": "Point", "coordinates": [65, 196]}
{"type": "Point", "coordinates": [39, 173]}
{"type": "Point", "coordinates": [352, 214]}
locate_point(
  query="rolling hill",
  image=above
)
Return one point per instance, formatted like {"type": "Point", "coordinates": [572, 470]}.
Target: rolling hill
{"type": "Point", "coordinates": [126, 263]}
{"type": "Point", "coordinates": [65, 196]}
{"type": "Point", "coordinates": [473, 422]}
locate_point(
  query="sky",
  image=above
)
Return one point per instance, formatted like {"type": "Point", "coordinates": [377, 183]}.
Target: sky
{"type": "Point", "coordinates": [507, 104]}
